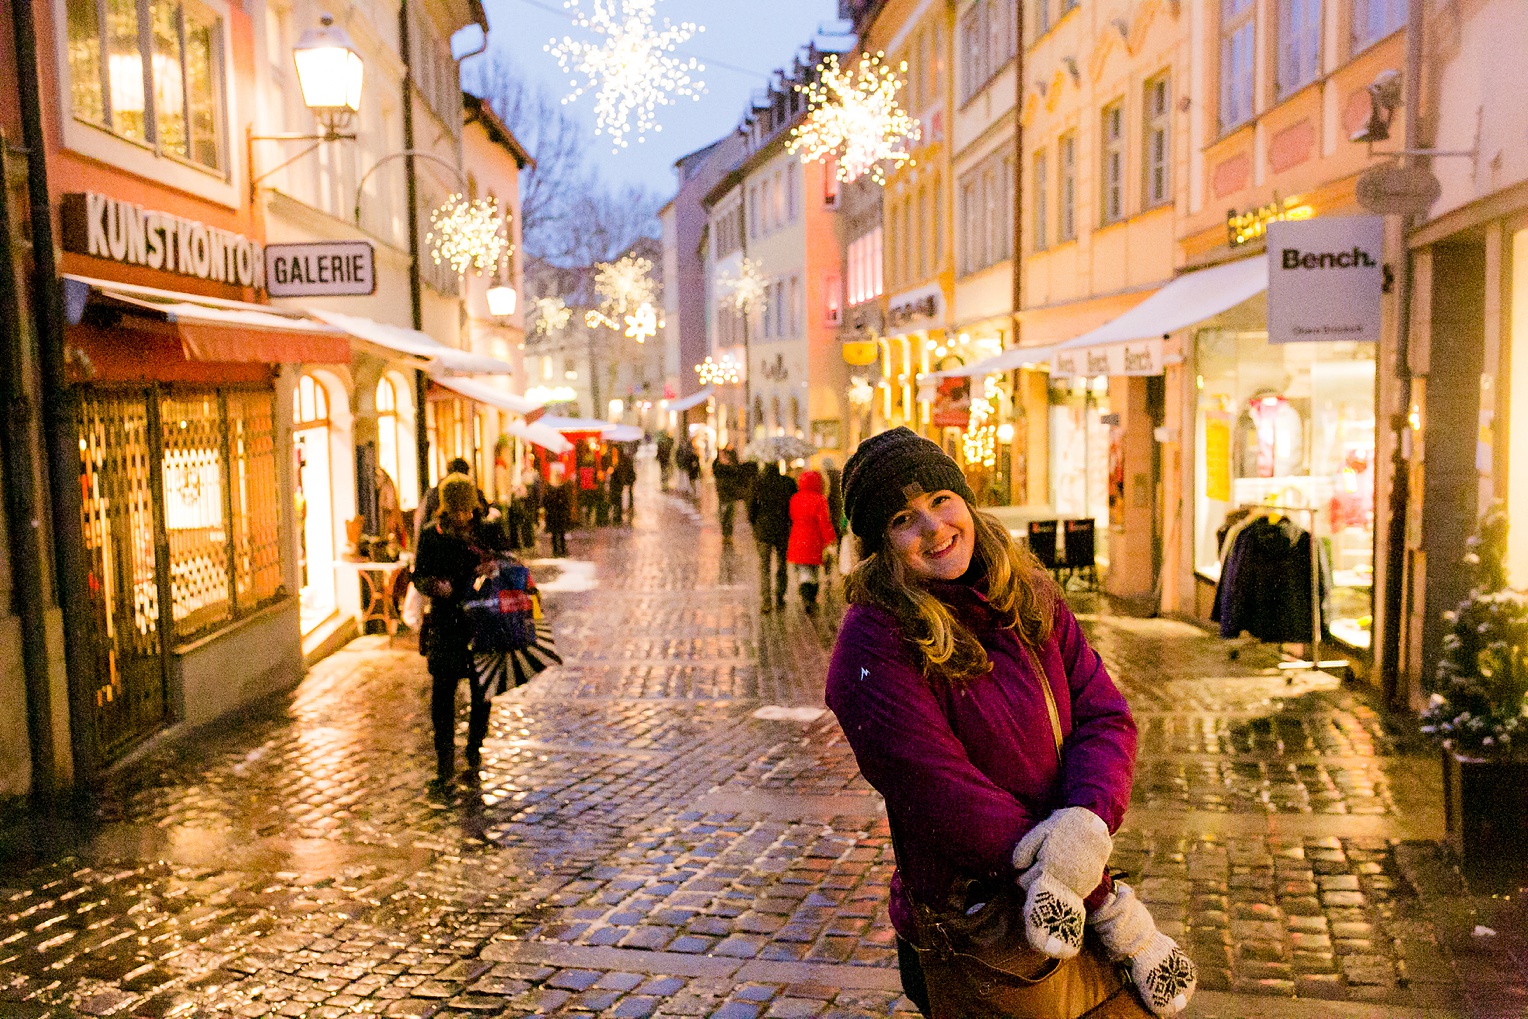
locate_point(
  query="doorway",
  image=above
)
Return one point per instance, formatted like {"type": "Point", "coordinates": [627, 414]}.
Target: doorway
{"type": "Point", "coordinates": [315, 502]}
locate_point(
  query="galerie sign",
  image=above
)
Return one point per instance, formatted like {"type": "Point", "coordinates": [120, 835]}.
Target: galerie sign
{"type": "Point", "coordinates": [324, 268]}
{"type": "Point", "coordinates": [123, 232]}
{"type": "Point", "coordinates": [1325, 278]}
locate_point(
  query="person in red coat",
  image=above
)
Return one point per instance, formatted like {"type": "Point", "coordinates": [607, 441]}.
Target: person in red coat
{"type": "Point", "coordinates": [812, 533]}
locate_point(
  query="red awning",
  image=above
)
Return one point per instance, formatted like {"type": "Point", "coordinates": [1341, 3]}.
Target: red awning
{"type": "Point", "coordinates": [204, 342]}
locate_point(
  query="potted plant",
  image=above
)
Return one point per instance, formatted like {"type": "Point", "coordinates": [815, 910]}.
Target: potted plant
{"type": "Point", "coordinates": [1478, 712]}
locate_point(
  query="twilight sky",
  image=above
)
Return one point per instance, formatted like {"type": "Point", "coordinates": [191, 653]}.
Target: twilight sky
{"type": "Point", "coordinates": [752, 37]}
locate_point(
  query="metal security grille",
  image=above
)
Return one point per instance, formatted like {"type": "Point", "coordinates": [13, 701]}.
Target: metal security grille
{"type": "Point", "coordinates": [194, 511]}
{"type": "Point", "coordinates": [181, 515]}
{"type": "Point", "coordinates": [118, 515]}
{"type": "Point", "coordinates": [256, 498]}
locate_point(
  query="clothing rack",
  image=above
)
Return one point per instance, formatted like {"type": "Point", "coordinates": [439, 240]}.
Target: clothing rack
{"type": "Point", "coordinates": [1314, 661]}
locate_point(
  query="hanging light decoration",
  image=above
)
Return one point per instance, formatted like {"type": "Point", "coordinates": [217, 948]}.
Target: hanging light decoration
{"type": "Point", "coordinates": [981, 433]}
{"type": "Point", "coordinates": [725, 372]}
{"type": "Point", "coordinates": [632, 69]}
{"type": "Point", "coordinates": [468, 235]}
{"type": "Point", "coordinates": [744, 290]}
{"type": "Point", "coordinates": [853, 116]}
{"type": "Point", "coordinates": [642, 323]}
{"type": "Point", "coordinates": [861, 392]}
{"type": "Point", "coordinates": [551, 314]}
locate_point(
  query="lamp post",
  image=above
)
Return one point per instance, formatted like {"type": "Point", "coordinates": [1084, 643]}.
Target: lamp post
{"type": "Point", "coordinates": [329, 74]}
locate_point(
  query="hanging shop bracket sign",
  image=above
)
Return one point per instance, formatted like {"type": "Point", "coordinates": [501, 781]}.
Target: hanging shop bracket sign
{"type": "Point", "coordinates": [1139, 357]}
{"type": "Point", "coordinates": [321, 269]}
{"type": "Point", "coordinates": [1325, 279]}
{"type": "Point", "coordinates": [119, 231]}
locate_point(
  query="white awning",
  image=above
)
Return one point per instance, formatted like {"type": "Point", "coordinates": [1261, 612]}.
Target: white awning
{"type": "Point", "coordinates": [693, 400]}
{"type": "Point", "coordinates": [1013, 357]}
{"type": "Point", "coordinates": [437, 357]}
{"type": "Point", "coordinates": [484, 392]}
{"type": "Point", "coordinates": [532, 431]}
{"type": "Point", "coordinates": [1187, 300]}
{"type": "Point", "coordinates": [623, 433]}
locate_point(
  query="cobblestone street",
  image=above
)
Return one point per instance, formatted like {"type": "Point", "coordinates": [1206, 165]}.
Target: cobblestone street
{"type": "Point", "coordinates": [642, 843]}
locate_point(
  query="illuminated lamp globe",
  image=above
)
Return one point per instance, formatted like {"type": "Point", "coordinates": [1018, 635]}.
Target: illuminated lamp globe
{"type": "Point", "coordinates": [860, 352]}
{"type": "Point", "coordinates": [1005, 432]}
{"type": "Point", "coordinates": [329, 72]}
{"type": "Point", "coordinates": [502, 301]}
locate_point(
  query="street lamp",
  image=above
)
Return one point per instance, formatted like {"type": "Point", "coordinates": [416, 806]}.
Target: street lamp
{"type": "Point", "coordinates": [329, 73]}
{"type": "Point", "coordinates": [502, 300]}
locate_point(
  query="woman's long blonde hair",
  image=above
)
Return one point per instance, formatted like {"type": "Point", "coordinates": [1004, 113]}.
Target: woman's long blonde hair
{"type": "Point", "coordinates": [1019, 593]}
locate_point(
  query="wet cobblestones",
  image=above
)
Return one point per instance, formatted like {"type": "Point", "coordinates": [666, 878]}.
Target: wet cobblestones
{"type": "Point", "coordinates": [641, 845]}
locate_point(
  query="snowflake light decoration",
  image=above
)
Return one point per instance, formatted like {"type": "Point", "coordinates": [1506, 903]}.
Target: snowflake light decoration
{"type": "Point", "coordinates": [745, 290]}
{"type": "Point", "coordinates": [642, 323]}
{"type": "Point", "coordinates": [551, 314]}
{"type": "Point", "coordinates": [854, 116]}
{"type": "Point", "coordinates": [725, 372]}
{"type": "Point", "coordinates": [625, 287]}
{"type": "Point", "coordinates": [468, 235]}
{"type": "Point", "coordinates": [632, 69]}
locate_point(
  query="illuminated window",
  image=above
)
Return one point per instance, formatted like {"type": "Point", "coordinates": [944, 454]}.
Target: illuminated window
{"type": "Point", "coordinates": [150, 71]}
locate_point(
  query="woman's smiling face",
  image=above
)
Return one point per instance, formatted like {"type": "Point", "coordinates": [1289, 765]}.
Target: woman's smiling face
{"type": "Point", "coordinates": [933, 536]}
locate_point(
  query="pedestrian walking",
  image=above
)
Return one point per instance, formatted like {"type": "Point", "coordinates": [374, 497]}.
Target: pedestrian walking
{"type": "Point", "coordinates": [731, 487]}
{"type": "Point", "coordinates": [769, 514]}
{"type": "Point", "coordinates": [692, 468]}
{"type": "Point", "coordinates": [1003, 749]}
{"type": "Point", "coordinates": [454, 549]}
{"type": "Point", "coordinates": [429, 506]}
{"type": "Point", "coordinates": [623, 480]}
{"type": "Point", "coordinates": [812, 534]}
{"type": "Point", "coordinates": [557, 504]}
{"type": "Point", "coordinates": [665, 451]}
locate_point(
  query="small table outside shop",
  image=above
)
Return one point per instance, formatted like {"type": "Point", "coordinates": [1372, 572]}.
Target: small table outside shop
{"type": "Point", "coordinates": [378, 578]}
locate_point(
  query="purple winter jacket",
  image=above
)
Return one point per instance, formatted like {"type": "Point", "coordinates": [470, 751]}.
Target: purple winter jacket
{"type": "Point", "coordinates": [968, 768]}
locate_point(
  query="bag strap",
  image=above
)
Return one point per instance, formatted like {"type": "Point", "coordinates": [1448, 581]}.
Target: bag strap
{"type": "Point", "coordinates": [1050, 696]}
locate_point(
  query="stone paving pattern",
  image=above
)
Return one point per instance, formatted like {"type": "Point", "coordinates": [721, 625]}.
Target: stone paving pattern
{"type": "Point", "coordinates": [640, 844]}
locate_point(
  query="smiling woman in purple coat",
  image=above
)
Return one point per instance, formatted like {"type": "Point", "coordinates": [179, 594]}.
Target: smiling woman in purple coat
{"type": "Point", "coordinates": [975, 706]}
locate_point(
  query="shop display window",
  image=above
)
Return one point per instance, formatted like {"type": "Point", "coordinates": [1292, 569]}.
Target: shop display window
{"type": "Point", "coordinates": [1080, 437]}
{"type": "Point", "coordinates": [1292, 425]}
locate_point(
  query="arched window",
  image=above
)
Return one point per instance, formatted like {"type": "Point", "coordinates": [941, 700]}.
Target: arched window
{"type": "Point", "coordinates": [310, 403]}
{"type": "Point", "coordinates": [390, 435]}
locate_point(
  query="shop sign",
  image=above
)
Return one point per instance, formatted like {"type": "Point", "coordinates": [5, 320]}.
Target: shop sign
{"type": "Point", "coordinates": [1138, 357]}
{"type": "Point", "coordinates": [1325, 279]}
{"type": "Point", "coordinates": [321, 269]}
{"type": "Point", "coordinates": [1242, 227]}
{"type": "Point", "coordinates": [120, 231]}
{"type": "Point", "coordinates": [922, 305]}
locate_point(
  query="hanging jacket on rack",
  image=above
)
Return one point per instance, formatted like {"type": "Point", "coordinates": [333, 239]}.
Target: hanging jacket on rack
{"type": "Point", "coordinates": [1265, 583]}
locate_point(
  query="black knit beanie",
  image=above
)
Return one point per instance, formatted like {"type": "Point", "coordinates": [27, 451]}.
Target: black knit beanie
{"type": "Point", "coordinates": [886, 471]}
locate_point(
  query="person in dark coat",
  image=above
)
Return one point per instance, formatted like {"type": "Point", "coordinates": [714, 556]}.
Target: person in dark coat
{"type": "Point", "coordinates": [557, 503]}
{"type": "Point", "coordinates": [731, 488]}
{"type": "Point", "coordinates": [665, 444]}
{"type": "Point", "coordinates": [769, 513]}
{"type": "Point", "coordinates": [456, 548]}
{"type": "Point", "coordinates": [692, 468]}
{"type": "Point", "coordinates": [974, 705]}
{"type": "Point", "coordinates": [623, 476]}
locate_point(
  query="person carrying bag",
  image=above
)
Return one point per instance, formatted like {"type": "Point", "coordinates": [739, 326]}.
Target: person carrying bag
{"type": "Point", "coordinates": [1005, 754]}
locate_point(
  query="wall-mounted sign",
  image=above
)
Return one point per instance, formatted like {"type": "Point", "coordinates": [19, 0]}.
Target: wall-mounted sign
{"type": "Point", "coordinates": [924, 306]}
{"type": "Point", "coordinates": [1242, 227]}
{"type": "Point", "coordinates": [321, 269]}
{"type": "Point", "coordinates": [123, 232]}
{"type": "Point", "coordinates": [1325, 279]}
{"type": "Point", "coordinates": [1138, 357]}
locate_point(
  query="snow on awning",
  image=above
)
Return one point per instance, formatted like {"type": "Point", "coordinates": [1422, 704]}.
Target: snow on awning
{"type": "Point", "coordinates": [536, 432]}
{"type": "Point", "coordinates": [213, 329]}
{"type": "Point", "coordinates": [693, 400]}
{"type": "Point", "coordinates": [438, 358]}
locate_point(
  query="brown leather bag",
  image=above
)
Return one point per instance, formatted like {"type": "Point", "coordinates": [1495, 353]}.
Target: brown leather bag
{"type": "Point", "coordinates": [978, 964]}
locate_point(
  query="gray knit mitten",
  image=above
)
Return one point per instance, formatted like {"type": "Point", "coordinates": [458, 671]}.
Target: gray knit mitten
{"type": "Point", "coordinates": [1164, 974]}
{"type": "Point", "coordinates": [1061, 860]}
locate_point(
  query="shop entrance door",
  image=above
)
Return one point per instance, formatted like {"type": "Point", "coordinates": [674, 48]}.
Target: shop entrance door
{"type": "Point", "coordinates": [315, 503]}
{"type": "Point", "coordinates": [118, 446]}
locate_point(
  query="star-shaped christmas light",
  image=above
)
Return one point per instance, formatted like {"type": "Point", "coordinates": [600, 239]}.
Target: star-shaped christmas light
{"type": "Point", "coordinates": [642, 323]}
{"type": "Point", "coordinates": [719, 373]}
{"type": "Point", "coordinates": [854, 116]}
{"type": "Point", "coordinates": [631, 69]}
{"type": "Point", "coordinates": [745, 290]}
{"type": "Point", "coordinates": [468, 234]}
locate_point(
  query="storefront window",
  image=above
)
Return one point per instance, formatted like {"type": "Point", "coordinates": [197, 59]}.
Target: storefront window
{"type": "Point", "coordinates": [1517, 424]}
{"type": "Point", "coordinates": [315, 502]}
{"type": "Point", "coordinates": [1079, 454]}
{"type": "Point", "coordinates": [1290, 425]}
